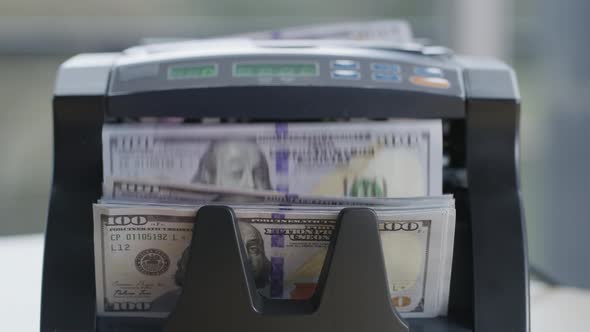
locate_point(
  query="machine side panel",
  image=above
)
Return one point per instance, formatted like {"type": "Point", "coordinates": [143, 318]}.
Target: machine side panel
{"type": "Point", "coordinates": [461, 292]}
{"type": "Point", "coordinates": [68, 299]}
{"type": "Point", "coordinates": [488, 78]}
{"type": "Point", "coordinates": [499, 249]}
{"type": "Point", "coordinates": [84, 75]}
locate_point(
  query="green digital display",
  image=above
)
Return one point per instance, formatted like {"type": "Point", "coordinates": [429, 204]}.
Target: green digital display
{"type": "Point", "coordinates": [275, 69]}
{"type": "Point", "coordinates": [185, 72]}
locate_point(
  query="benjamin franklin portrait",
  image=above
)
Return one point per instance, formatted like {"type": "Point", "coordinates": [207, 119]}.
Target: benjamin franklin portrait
{"type": "Point", "coordinates": [259, 265]}
{"type": "Point", "coordinates": [234, 163]}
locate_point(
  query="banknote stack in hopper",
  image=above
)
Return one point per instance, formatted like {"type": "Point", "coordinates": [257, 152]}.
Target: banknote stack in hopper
{"type": "Point", "coordinates": [286, 183]}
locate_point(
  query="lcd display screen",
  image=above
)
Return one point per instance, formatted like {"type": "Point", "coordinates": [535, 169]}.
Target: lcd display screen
{"type": "Point", "coordinates": [192, 71]}
{"type": "Point", "coordinates": [275, 69]}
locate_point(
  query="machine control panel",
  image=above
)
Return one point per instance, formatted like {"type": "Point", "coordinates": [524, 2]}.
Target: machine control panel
{"type": "Point", "coordinates": [287, 70]}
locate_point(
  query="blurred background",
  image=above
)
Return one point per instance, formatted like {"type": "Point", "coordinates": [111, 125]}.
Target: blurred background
{"type": "Point", "coordinates": [546, 41]}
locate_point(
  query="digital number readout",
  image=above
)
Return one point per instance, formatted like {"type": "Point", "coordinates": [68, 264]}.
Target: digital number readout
{"type": "Point", "coordinates": [275, 69]}
{"type": "Point", "coordinates": [191, 72]}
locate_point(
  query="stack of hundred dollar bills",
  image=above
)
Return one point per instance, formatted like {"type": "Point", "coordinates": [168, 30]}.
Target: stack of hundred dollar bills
{"type": "Point", "coordinates": [287, 183]}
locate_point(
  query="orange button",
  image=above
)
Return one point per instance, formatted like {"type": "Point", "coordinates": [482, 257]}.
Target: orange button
{"type": "Point", "coordinates": [430, 82]}
{"type": "Point", "coordinates": [401, 301]}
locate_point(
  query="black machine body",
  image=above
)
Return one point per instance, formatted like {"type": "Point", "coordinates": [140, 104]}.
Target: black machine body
{"type": "Point", "coordinates": [283, 81]}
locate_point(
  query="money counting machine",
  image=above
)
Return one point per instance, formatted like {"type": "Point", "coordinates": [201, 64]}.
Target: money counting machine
{"type": "Point", "coordinates": [282, 81]}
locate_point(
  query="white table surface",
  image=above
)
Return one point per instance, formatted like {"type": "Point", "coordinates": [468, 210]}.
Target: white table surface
{"type": "Point", "coordinates": [552, 308]}
{"type": "Point", "coordinates": [20, 282]}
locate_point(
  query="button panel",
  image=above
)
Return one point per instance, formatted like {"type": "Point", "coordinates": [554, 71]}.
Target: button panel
{"type": "Point", "coordinates": [298, 70]}
{"type": "Point", "coordinates": [386, 72]}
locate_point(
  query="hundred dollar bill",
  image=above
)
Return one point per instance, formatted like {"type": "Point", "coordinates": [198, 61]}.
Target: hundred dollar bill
{"type": "Point", "coordinates": [399, 158]}
{"type": "Point", "coordinates": [141, 253]}
{"type": "Point", "coordinates": [149, 191]}
{"type": "Point", "coordinates": [387, 32]}
{"type": "Point", "coordinates": [397, 31]}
